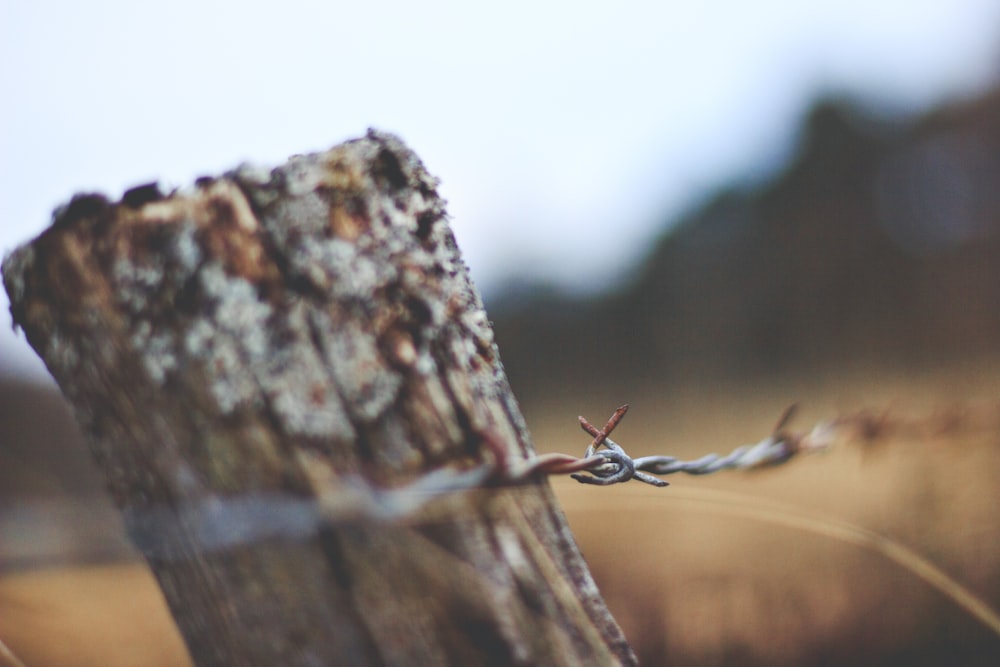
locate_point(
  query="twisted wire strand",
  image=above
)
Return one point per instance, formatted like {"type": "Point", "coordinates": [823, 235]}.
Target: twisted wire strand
{"type": "Point", "coordinates": [219, 523]}
{"type": "Point", "coordinates": [767, 452]}
{"type": "Point", "coordinates": [618, 467]}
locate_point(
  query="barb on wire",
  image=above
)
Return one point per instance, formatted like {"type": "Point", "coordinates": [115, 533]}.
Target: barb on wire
{"type": "Point", "coordinates": [219, 523]}
{"type": "Point", "coordinates": [617, 466]}
{"type": "Point", "coordinates": [215, 522]}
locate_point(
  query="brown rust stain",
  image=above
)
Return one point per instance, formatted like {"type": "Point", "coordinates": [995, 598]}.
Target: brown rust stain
{"type": "Point", "coordinates": [346, 225]}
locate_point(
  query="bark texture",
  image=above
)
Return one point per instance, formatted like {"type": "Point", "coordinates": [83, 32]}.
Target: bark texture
{"type": "Point", "coordinates": [276, 335]}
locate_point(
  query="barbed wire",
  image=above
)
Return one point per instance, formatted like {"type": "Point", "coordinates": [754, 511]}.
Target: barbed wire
{"type": "Point", "coordinates": [605, 462]}
{"type": "Point", "coordinates": [217, 522]}
{"type": "Point", "coordinates": [775, 449]}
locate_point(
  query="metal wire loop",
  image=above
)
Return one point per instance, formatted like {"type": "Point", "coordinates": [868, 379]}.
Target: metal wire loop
{"type": "Point", "coordinates": [617, 466]}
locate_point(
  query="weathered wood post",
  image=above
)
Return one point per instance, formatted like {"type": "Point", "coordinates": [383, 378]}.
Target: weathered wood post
{"type": "Point", "coordinates": [276, 336]}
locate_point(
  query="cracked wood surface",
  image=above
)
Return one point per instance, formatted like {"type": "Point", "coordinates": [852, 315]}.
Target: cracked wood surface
{"type": "Point", "coordinates": [272, 334]}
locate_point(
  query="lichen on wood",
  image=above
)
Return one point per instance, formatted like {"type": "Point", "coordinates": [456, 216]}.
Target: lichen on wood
{"type": "Point", "coordinates": [273, 334]}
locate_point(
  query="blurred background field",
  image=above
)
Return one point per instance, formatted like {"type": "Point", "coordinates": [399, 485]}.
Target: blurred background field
{"type": "Point", "coordinates": [698, 573]}
{"type": "Point", "coordinates": [861, 280]}
{"type": "Point", "coordinates": [706, 572]}
{"type": "Point", "coordinates": [709, 343]}
{"type": "Point", "coordinates": [801, 207]}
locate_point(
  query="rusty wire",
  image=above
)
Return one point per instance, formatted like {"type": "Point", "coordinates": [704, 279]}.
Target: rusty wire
{"type": "Point", "coordinates": [605, 462]}
{"type": "Point", "coordinates": [219, 523]}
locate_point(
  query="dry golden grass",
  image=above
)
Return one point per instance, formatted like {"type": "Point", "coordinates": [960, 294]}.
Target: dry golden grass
{"type": "Point", "coordinates": [779, 567]}
{"type": "Point", "coordinates": [107, 616]}
{"type": "Point", "coordinates": [829, 560]}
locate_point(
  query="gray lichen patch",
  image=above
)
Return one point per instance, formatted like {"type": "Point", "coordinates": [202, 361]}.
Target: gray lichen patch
{"type": "Point", "coordinates": [145, 278]}
{"type": "Point", "coordinates": [238, 308]}
{"type": "Point", "coordinates": [156, 349]}
{"type": "Point", "coordinates": [364, 378]}
{"type": "Point", "coordinates": [338, 267]}
{"type": "Point", "coordinates": [366, 199]}
{"type": "Point", "coordinates": [228, 337]}
{"type": "Point", "coordinates": [477, 324]}
{"type": "Point", "coordinates": [61, 354]}
{"type": "Point", "coordinates": [295, 382]}
{"type": "Point", "coordinates": [230, 383]}
{"type": "Point", "coordinates": [185, 250]}
{"type": "Point", "coordinates": [16, 265]}
{"type": "Point", "coordinates": [137, 282]}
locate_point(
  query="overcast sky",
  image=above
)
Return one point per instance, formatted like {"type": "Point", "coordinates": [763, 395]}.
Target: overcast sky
{"type": "Point", "coordinates": [554, 126]}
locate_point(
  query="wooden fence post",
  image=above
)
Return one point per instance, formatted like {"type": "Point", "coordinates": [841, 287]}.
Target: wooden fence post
{"type": "Point", "coordinates": [258, 344]}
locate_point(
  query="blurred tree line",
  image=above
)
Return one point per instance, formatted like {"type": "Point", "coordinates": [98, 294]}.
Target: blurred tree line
{"type": "Point", "coordinates": [879, 243]}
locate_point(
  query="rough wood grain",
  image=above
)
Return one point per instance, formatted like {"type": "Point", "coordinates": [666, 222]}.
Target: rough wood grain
{"type": "Point", "coordinates": [270, 335]}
